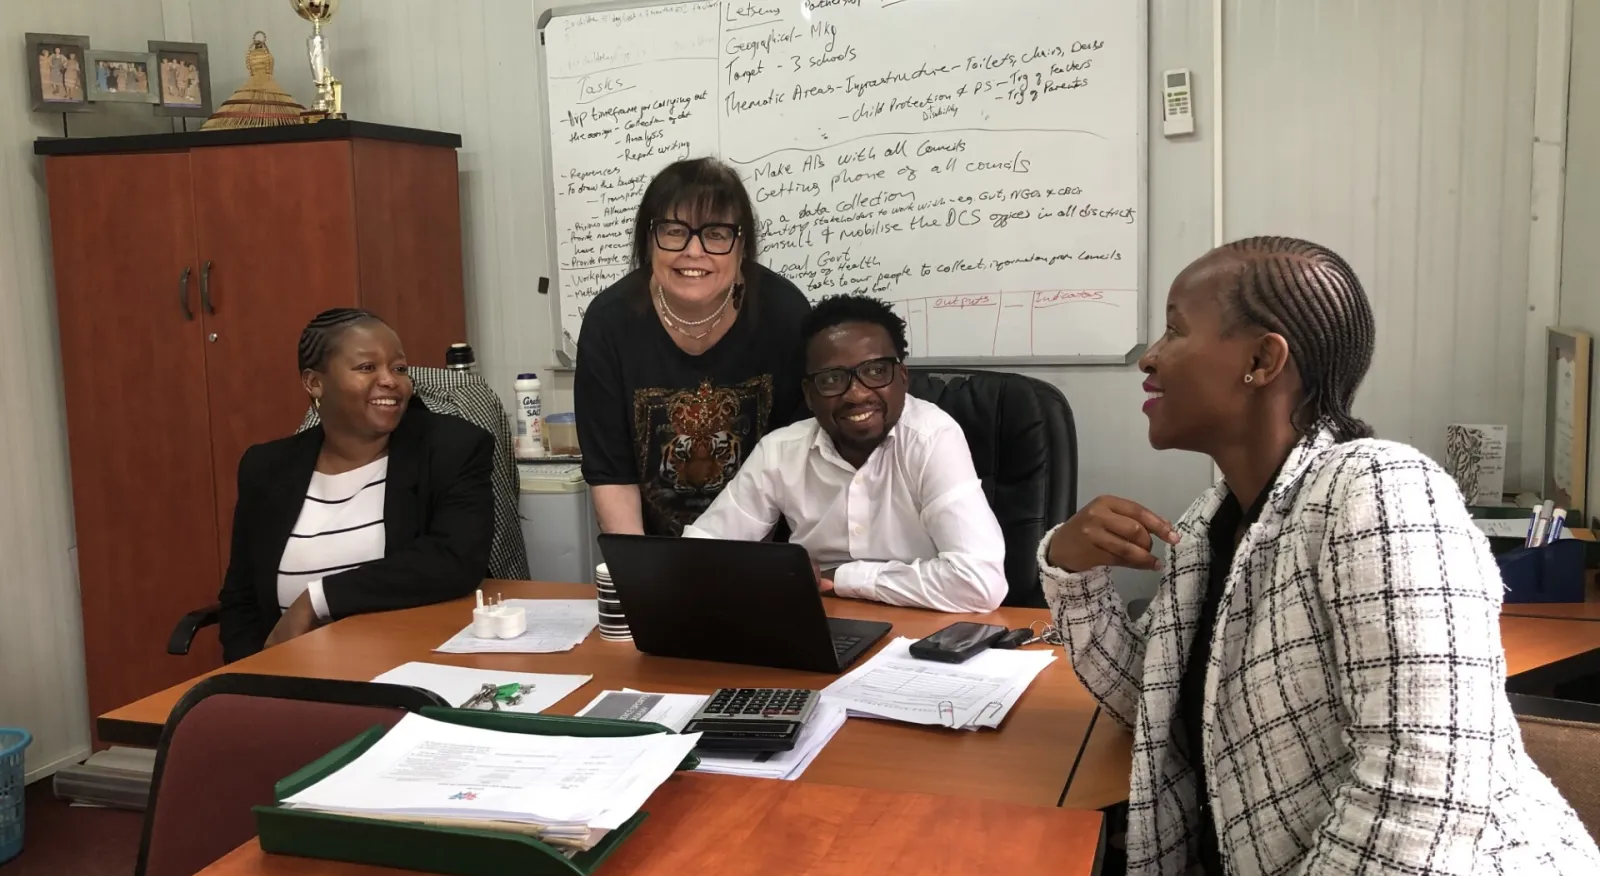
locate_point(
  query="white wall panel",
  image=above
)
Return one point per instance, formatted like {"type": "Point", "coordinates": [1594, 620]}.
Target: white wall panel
{"type": "Point", "coordinates": [1580, 269]}
{"type": "Point", "coordinates": [1400, 135]}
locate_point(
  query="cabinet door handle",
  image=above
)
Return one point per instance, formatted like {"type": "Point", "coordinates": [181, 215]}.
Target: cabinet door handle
{"type": "Point", "coordinates": [205, 288]}
{"type": "Point", "coordinates": [183, 293]}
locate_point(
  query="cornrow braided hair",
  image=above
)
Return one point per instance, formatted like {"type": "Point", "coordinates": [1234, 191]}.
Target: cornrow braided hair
{"type": "Point", "coordinates": [1310, 296]}
{"type": "Point", "coordinates": [322, 334]}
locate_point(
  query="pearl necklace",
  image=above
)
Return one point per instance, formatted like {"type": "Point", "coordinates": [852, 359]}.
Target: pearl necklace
{"type": "Point", "coordinates": [682, 325]}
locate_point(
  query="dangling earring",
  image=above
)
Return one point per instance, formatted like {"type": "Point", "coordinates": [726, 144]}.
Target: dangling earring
{"type": "Point", "coordinates": [1249, 378]}
{"type": "Point", "coordinates": [317, 403]}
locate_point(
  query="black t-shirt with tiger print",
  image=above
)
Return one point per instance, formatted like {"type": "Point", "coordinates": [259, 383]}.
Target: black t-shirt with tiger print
{"type": "Point", "coordinates": [680, 426]}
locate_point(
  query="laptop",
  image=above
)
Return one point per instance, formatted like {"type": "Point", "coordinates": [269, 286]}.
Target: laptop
{"type": "Point", "coordinates": [751, 602]}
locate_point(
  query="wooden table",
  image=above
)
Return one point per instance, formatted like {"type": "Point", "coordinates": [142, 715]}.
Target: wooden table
{"type": "Point", "coordinates": [1027, 760]}
{"type": "Point", "coordinates": [734, 826]}
{"type": "Point", "coordinates": [1101, 777]}
{"type": "Point", "coordinates": [1104, 767]}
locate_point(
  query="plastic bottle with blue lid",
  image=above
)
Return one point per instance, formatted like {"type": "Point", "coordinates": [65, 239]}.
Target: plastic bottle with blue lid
{"type": "Point", "coordinates": [529, 443]}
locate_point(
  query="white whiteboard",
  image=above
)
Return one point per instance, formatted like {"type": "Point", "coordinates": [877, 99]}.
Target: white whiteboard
{"type": "Point", "coordinates": [981, 163]}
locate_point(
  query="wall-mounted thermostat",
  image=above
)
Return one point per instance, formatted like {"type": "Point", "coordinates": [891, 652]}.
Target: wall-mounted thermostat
{"type": "Point", "coordinates": [1177, 106]}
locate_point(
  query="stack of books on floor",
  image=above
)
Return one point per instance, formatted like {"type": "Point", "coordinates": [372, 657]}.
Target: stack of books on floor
{"type": "Point", "coordinates": [566, 791]}
{"type": "Point", "coordinates": [117, 777]}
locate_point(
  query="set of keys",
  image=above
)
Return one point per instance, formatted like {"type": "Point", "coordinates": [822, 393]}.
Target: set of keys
{"type": "Point", "coordinates": [492, 696]}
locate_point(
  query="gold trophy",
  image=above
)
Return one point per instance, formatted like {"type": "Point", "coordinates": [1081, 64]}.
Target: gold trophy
{"type": "Point", "coordinates": [330, 98]}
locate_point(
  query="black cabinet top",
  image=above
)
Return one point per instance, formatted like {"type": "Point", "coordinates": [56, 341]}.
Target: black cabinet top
{"type": "Point", "coordinates": [325, 130]}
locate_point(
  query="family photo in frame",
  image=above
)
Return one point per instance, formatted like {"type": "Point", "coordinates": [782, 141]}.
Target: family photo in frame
{"type": "Point", "coordinates": [57, 66]}
{"type": "Point", "coordinates": [65, 75]}
{"type": "Point", "coordinates": [121, 77]}
{"type": "Point", "coordinates": [185, 79]}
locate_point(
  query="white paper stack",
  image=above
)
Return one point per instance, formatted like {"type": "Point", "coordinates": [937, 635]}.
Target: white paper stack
{"type": "Point", "coordinates": [825, 720]}
{"type": "Point", "coordinates": [975, 694]}
{"type": "Point", "coordinates": [566, 790]}
{"type": "Point", "coordinates": [672, 711]}
{"type": "Point", "coordinates": [553, 625]}
{"type": "Point", "coordinates": [458, 684]}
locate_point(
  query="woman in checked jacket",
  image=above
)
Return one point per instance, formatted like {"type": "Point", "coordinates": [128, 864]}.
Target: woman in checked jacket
{"type": "Point", "coordinates": [1318, 686]}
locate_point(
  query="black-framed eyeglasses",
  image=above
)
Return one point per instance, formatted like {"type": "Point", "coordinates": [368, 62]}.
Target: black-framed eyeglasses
{"type": "Point", "coordinates": [716, 238]}
{"type": "Point", "coordinates": [873, 374]}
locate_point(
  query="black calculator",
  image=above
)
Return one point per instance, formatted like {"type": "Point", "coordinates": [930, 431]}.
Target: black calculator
{"type": "Point", "coordinates": [752, 719]}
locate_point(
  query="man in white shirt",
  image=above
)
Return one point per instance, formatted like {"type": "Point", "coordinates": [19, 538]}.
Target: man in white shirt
{"type": "Point", "coordinates": [879, 488]}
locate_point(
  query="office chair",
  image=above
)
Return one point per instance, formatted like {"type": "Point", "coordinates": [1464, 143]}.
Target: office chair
{"type": "Point", "coordinates": [1025, 448]}
{"type": "Point", "coordinates": [228, 742]}
{"type": "Point", "coordinates": [462, 394]}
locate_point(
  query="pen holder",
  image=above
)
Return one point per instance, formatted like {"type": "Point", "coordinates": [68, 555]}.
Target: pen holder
{"type": "Point", "coordinates": [1548, 573]}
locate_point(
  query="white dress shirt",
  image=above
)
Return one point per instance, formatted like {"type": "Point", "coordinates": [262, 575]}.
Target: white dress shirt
{"type": "Point", "coordinates": [340, 527]}
{"type": "Point", "coordinates": [911, 527]}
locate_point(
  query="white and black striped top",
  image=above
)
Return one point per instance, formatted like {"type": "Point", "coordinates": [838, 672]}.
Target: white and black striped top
{"type": "Point", "coordinates": [340, 527]}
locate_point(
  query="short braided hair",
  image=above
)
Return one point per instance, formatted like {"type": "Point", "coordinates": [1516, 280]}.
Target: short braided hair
{"type": "Point", "coordinates": [1310, 296]}
{"type": "Point", "coordinates": [322, 334]}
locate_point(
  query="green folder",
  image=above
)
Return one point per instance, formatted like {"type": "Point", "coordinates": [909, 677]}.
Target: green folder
{"type": "Point", "coordinates": [433, 849]}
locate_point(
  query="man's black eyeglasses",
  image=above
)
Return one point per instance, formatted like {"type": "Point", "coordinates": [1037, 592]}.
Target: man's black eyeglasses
{"type": "Point", "coordinates": [717, 238]}
{"type": "Point", "coordinates": [873, 374]}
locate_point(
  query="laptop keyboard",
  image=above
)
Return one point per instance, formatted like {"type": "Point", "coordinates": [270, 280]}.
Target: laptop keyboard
{"type": "Point", "coordinates": [841, 644]}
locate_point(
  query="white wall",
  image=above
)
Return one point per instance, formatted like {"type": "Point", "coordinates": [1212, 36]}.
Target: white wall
{"type": "Point", "coordinates": [1400, 135]}
{"type": "Point", "coordinates": [41, 636]}
{"type": "Point", "coordinates": [1580, 261]}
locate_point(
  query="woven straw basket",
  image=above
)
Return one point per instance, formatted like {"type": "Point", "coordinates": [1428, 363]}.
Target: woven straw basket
{"type": "Point", "coordinates": [260, 102]}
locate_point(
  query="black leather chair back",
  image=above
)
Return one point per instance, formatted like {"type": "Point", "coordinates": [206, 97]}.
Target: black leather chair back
{"type": "Point", "coordinates": [1025, 448]}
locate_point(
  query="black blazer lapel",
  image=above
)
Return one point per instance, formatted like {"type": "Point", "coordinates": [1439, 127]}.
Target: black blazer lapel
{"type": "Point", "coordinates": [402, 504]}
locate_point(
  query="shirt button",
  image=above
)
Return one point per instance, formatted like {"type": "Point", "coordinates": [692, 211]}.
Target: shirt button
{"type": "Point", "coordinates": [858, 529]}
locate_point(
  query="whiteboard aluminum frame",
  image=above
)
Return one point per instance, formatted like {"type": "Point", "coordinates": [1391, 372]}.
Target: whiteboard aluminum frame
{"type": "Point", "coordinates": [559, 335]}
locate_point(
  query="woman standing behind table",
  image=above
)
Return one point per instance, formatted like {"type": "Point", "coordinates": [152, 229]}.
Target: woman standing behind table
{"type": "Point", "coordinates": [685, 363]}
{"type": "Point", "coordinates": [1318, 686]}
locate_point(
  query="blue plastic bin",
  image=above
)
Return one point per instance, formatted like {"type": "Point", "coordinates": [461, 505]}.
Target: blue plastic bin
{"type": "Point", "coordinates": [13, 742]}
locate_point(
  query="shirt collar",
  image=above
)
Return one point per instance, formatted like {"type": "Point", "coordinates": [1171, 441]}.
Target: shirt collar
{"type": "Point", "coordinates": [1280, 491]}
{"type": "Point", "coordinates": [823, 443]}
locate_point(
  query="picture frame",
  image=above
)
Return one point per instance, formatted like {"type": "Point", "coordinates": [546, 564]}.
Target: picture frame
{"type": "Point", "coordinates": [184, 77]}
{"type": "Point", "coordinates": [1569, 357]}
{"type": "Point", "coordinates": [122, 77]}
{"type": "Point", "coordinates": [57, 63]}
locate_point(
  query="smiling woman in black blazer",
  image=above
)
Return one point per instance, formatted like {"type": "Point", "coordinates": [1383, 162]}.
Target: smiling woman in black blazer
{"type": "Point", "coordinates": [382, 506]}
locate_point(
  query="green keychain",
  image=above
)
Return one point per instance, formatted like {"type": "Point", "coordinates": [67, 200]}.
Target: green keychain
{"type": "Point", "coordinates": [491, 696]}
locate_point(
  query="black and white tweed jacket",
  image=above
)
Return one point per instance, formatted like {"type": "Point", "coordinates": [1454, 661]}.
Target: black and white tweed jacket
{"type": "Point", "coordinates": [1356, 717]}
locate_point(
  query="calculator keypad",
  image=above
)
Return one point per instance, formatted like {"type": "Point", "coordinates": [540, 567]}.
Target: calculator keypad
{"type": "Point", "coordinates": [747, 702]}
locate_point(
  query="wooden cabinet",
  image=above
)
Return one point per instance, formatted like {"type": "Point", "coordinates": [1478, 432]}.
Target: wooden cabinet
{"type": "Point", "coordinates": [185, 267]}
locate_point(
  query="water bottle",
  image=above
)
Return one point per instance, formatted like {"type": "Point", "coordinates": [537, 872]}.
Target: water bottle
{"type": "Point", "coordinates": [460, 358]}
{"type": "Point", "coordinates": [530, 432]}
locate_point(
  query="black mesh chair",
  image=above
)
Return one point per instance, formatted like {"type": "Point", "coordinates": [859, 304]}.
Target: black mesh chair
{"type": "Point", "coordinates": [1025, 448]}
